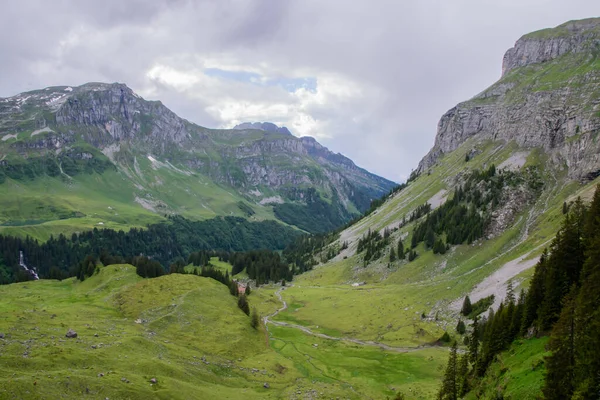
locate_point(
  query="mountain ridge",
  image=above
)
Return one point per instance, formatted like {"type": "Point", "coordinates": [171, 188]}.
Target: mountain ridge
{"type": "Point", "coordinates": [109, 124]}
{"type": "Point", "coordinates": [547, 97]}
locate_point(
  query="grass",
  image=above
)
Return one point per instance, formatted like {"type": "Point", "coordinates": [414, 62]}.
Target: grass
{"type": "Point", "coordinates": [49, 206]}
{"type": "Point", "coordinates": [518, 372]}
{"type": "Point", "coordinates": [187, 332]}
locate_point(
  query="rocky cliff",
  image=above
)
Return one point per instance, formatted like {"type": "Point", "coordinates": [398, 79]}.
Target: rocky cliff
{"type": "Point", "coordinates": [109, 123]}
{"type": "Point", "coordinates": [548, 97]}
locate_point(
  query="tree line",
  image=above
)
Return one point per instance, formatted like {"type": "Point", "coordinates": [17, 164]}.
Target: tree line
{"type": "Point", "coordinates": [163, 243]}
{"type": "Point", "coordinates": [563, 301]}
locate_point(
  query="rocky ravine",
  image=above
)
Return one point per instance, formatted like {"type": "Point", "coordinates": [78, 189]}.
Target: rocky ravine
{"type": "Point", "coordinates": [548, 97]}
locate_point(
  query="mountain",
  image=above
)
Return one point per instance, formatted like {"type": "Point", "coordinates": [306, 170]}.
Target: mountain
{"type": "Point", "coordinates": [506, 169]}
{"type": "Point", "coordinates": [102, 154]}
{"type": "Point", "coordinates": [547, 98]}
{"type": "Point", "coordinates": [382, 299]}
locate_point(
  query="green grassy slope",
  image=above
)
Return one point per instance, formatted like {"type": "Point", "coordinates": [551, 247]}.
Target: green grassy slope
{"type": "Point", "coordinates": [518, 373]}
{"type": "Point", "coordinates": [46, 205]}
{"type": "Point", "coordinates": [188, 333]}
{"type": "Point", "coordinates": [389, 307]}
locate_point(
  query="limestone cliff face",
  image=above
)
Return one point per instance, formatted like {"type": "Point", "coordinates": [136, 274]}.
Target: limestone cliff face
{"type": "Point", "coordinates": [548, 97]}
{"type": "Point", "coordinates": [122, 125]}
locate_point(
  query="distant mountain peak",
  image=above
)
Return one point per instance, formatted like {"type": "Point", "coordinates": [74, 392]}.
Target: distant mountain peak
{"type": "Point", "coordinates": [263, 126]}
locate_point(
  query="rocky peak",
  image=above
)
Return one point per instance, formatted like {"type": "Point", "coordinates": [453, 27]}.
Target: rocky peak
{"type": "Point", "coordinates": [548, 44]}
{"type": "Point", "coordinates": [554, 106]}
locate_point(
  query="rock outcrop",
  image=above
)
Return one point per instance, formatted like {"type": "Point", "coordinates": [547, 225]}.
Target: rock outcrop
{"type": "Point", "coordinates": [125, 128]}
{"type": "Point", "coordinates": [548, 97]}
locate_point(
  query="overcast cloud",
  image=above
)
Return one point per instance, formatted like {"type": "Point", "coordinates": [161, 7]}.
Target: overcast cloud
{"type": "Point", "coordinates": [369, 79]}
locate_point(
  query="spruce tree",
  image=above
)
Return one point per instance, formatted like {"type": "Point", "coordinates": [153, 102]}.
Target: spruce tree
{"type": "Point", "coordinates": [460, 327]}
{"type": "Point", "coordinates": [536, 293]}
{"type": "Point", "coordinates": [467, 307]}
{"type": "Point", "coordinates": [587, 312]}
{"type": "Point", "coordinates": [474, 342]}
{"type": "Point", "coordinates": [255, 318]}
{"type": "Point", "coordinates": [449, 388]}
{"type": "Point", "coordinates": [243, 304]}
{"type": "Point", "coordinates": [560, 365]}
{"type": "Point", "coordinates": [463, 375]}
{"type": "Point", "coordinates": [401, 254]}
{"type": "Point", "coordinates": [392, 255]}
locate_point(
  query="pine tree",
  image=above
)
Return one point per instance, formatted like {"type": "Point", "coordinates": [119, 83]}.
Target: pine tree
{"type": "Point", "coordinates": [429, 237]}
{"type": "Point", "coordinates": [255, 318]}
{"type": "Point", "coordinates": [560, 365]}
{"type": "Point", "coordinates": [392, 255]}
{"type": "Point", "coordinates": [474, 342]}
{"type": "Point", "coordinates": [587, 312]}
{"type": "Point", "coordinates": [243, 304]}
{"type": "Point", "coordinates": [463, 375]}
{"type": "Point", "coordinates": [449, 388]}
{"type": "Point", "coordinates": [467, 307]}
{"type": "Point", "coordinates": [460, 327]}
{"type": "Point", "coordinates": [510, 292]}
{"type": "Point", "coordinates": [536, 293]}
{"type": "Point", "coordinates": [401, 254]}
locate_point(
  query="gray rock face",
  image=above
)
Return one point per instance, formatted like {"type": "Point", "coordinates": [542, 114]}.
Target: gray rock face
{"type": "Point", "coordinates": [561, 116]}
{"type": "Point", "coordinates": [125, 127]}
{"type": "Point", "coordinates": [548, 44]}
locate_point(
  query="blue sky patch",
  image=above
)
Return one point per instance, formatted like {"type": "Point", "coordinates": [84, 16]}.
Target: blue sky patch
{"type": "Point", "coordinates": [289, 84]}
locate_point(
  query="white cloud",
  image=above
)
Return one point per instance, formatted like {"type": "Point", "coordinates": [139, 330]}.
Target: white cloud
{"type": "Point", "coordinates": [385, 70]}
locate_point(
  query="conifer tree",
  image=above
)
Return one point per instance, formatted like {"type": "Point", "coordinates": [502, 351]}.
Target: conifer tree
{"type": "Point", "coordinates": [536, 293]}
{"type": "Point", "coordinates": [463, 375]}
{"type": "Point", "coordinates": [255, 318]}
{"type": "Point", "coordinates": [560, 365]}
{"type": "Point", "coordinates": [474, 342]}
{"type": "Point", "coordinates": [243, 304]}
{"type": "Point", "coordinates": [392, 255]}
{"type": "Point", "coordinates": [467, 307]}
{"type": "Point", "coordinates": [587, 312]}
{"type": "Point", "coordinates": [401, 254]}
{"type": "Point", "coordinates": [449, 388]}
{"type": "Point", "coordinates": [460, 327]}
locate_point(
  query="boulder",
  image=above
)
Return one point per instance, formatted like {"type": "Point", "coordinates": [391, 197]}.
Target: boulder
{"type": "Point", "coordinates": [71, 334]}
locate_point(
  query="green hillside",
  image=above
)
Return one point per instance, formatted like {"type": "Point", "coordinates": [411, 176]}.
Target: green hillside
{"type": "Point", "coordinates": [187, 333]}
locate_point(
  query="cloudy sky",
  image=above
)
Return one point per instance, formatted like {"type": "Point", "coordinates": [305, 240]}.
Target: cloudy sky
{"type": "Point", "coordinates": [369, 79]}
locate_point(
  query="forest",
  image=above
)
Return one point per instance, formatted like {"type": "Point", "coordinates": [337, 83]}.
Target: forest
{"type": "Point", "coordinates": [561, 302]}
{"type": "Point", "coordinates": [162, 243]}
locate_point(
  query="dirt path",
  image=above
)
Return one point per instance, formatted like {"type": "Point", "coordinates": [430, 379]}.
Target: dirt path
{"type": "Point", "coordinates": [267, 320]}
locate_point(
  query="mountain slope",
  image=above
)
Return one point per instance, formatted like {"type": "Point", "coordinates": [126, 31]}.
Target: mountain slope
{"type": "Point", "coordinates": [104, 135]}
{"type": "Point", "coordinates": [492, 192]}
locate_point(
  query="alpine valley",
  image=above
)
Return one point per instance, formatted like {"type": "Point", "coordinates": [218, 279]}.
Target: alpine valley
{"type": "Point", "coordinates": [98, 155]}
{"type": "Point", "coordinates": [477, 278]}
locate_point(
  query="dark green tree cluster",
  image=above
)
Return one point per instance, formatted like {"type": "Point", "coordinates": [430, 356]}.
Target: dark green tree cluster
{"type": "Point", "coordinates": [315, 215]}
{"type": "Point", "coordinates": [145, 267]}
{"type": "Point", "coordinates": [420, 211]}
{"type": "Point", "coordinates": [300, 252]}
{"type": "Point", "coordinates": [455, 384]}
{"type": "Point", "coordinates": [164, 242]}
{"type": "Point", "coordinates": [563, 300]}
{"type": "Point", "coordinates": [74, 161]}
{"type": "Point", "coordinates": [373, 244]}
{"type": "Point", "coordinates": [263, 266]}
{"type": "Point", "coordinates": [466, 215]}
{"type": "Point", "coordinates": [480, 306]}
